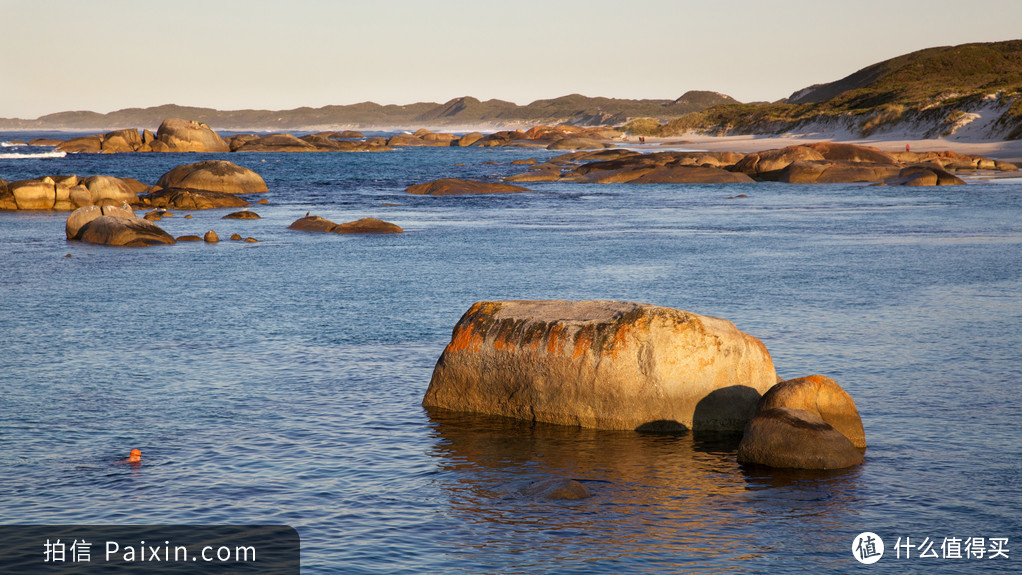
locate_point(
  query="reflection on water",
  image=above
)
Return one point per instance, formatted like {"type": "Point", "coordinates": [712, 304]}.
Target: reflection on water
{"type": "Point", "coordinates": [675, 500]}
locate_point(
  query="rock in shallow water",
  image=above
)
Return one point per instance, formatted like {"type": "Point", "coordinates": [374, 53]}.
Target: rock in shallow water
{"type": "Point", "coordinates": [556, 488]}
{"type": "Point", "coordinates": [601, 364]}
{"type": "Point", "coordinates": [792, 438]}
{"type": "Point", "coordinates": [822, 397]}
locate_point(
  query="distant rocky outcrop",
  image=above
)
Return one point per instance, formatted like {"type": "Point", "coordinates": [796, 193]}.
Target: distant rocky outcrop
{"type": "Point", "coordinates": [216, 176]}
{"type": "Point", "coordinates": [363, 226]}
{"type": "Point", "coordinates": [456, 187]}
{"type": "Point", "coordinates": [601, 364]}
{"type": "Point", "coordinates": [113, 226]}
{"type": "Point", "coordinates": [176, 135]}
{"type": "Point", "coordinates": [804, 164]}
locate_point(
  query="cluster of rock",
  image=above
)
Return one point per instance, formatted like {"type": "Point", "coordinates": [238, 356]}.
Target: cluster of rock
{"type": "Point", "coordinates": [550, 137]}
{"type": "Point", "coordinates": [65, 193]}
{"type": "Point", "coordinates": [811, 163]}
{"type": "Point", "coordinates": [173, 135]}
{"type": "Point", "coordinates": [177, 135]}
{"type": "Point", "coordinates": [629, 366]}
{"type": "Point", "coordinates": [202, 185]}
{"type": "Point", "coordinates": [321, 142]}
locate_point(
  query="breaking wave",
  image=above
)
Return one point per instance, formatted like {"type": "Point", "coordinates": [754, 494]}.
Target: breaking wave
{"type": "Point", "coordinates": [16, 155]}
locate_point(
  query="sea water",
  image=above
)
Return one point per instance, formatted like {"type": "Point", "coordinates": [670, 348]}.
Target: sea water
{"type": "Point", "coordinates": [280, 381]}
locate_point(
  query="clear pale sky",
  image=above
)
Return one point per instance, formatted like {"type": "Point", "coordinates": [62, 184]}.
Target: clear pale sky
{"type": "Point", "coordinates": [104, 55]}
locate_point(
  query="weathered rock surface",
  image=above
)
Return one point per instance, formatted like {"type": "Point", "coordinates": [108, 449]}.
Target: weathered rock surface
{"type": "Point", "coordinates": [188, 199]}
{"type": "Point", "coordinates": [362, 226]}
{"type": "Point", "coordinates": [176, 135]}
{"type": "Point", "coordinates": [455, 186]}
{"type": "Point", "coordinates": [216, 176]}
{"type": "Point", "coordinates": [822, 397]}
{"type": "Point", "coordinates": [210, 237]}
{"type": "Point", "coordinates": [791, 438]}
{"type": "Point", "coordinates": [601, 364]}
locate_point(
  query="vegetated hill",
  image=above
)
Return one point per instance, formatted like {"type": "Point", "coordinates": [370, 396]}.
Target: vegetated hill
{"type": "Point", "coordinates": [971, 88]}
{"type": "Point", "coordinates": [466, 111]}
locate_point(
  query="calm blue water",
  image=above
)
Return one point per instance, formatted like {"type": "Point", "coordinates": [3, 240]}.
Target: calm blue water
{"type": "Point", "coordinates": [280, 382]}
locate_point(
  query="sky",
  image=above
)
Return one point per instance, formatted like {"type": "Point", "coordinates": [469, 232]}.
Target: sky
{"type": "Point", "coordinates": [105, 55]}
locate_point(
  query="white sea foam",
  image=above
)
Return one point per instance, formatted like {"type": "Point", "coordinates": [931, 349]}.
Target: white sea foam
{"type": "Point", "coordinates": [16, 155]}
{"type": "Point", "coordinates": [10, 144]}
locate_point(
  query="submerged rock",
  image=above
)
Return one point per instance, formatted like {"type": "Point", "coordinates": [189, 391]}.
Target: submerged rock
{"type": "Point", "coordinates": [242, 215]}
{"type": "Point", "coordinates": [601, 364]}
{"type": "Point", "coordinates": [556, 488]}
{"type": "Point", "coordinates": [455, 186]}
{"type": "Point", "coordinates": [362, 226]}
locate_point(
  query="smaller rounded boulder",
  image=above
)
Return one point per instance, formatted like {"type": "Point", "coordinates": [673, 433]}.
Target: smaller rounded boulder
{"type": "Point", "coordinates": [822, 397]}
{"type": "Point", "coordinates": [782, 437]}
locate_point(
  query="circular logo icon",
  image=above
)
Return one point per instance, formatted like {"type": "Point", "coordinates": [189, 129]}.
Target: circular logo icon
{"type": "Point", "coordinates": [867, 547]}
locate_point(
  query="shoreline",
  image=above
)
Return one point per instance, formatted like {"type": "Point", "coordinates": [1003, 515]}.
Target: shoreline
{"type": "Point", "coordinates": [1006, 150]}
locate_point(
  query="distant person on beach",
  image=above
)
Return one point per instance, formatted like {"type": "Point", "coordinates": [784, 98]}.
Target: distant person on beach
{"type": "Point", "coordinates": [907, 147]}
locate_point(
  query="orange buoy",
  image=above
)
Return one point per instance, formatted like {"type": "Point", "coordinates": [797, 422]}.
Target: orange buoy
{"type": "Point", "coordinates": [136, 456]}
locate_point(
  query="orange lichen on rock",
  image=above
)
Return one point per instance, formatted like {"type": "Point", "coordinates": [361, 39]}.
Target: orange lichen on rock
{"type": "Point", "coordinates": [601, 364]}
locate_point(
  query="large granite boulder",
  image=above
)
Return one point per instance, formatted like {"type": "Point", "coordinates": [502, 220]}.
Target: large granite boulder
{"type": "Point", "coordinates": [108, 190]}
{"type": "Point", "coordinates": [601, 364]}
{"type": "Point", "coordinates": [822, 397]}
{"type": "Point", "coordinates": [178, 135]}
{"type": "Point", "coordinates": [455, 186]}
{"type": "Point", "coordinates": [216, 176]}
{"type": "Point", "coordinates": [792, 438]}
